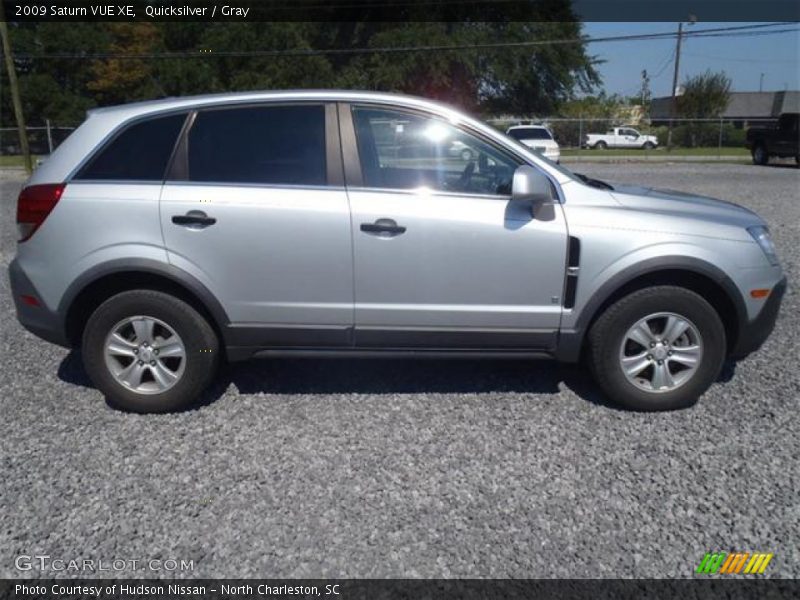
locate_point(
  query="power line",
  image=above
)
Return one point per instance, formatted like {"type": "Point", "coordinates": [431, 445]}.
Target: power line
{"type": "Point", "coordinates": [744, 60]}
{"type": "Point", "coordinates": [742, 30]}
{"type": "Point", "coordinates": [665, 64]}
{"type": "Point", "coordinates": [744, 34]}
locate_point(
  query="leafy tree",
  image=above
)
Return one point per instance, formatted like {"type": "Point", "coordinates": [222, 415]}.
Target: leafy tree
{"type": "Point", "coordinates": [525, 80]}
{"type": "Point", "coordinates": [705, 96]}
{"type": "Point", "coordinates": [450, 76]}
{"type": "Point", "coordinates": [596, 113]}
{"type": "Point", "coordinates": [520, 80]}
{"type": "Point", "coordinates": [601, 106]}
{"type": "Point", "coordinates": [516, 79]}
{"type": "Point", "coordinates": [266, 72]}
{"type": "Point", "coordinates": [52, 88]}
{"type": "Point", "coordinates": [126, 79]}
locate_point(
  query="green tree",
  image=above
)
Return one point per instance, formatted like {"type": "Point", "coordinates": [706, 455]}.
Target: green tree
{"type": "Point", "coordinates": [589, 114]}
{"type": "Point", "coordinates": [52, 88]}
{"type": "Point", "coordinates": [264, 72]}
{"type": "Point", "coordinates": [446, 75]}
{"type": "Point", "coordinates": [705, 96]}
{"type": "Point", "coordinates": [517, 79]}
{"type": "Point", "coordinates": [125, 79]}
{"type": "Point", "coordinates": [535, 79]}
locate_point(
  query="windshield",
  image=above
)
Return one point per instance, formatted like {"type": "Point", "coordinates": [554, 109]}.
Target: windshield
{"type": "Point", "coordinates": [530, 133]}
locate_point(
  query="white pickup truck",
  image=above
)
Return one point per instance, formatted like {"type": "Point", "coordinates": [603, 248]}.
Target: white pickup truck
{"type": "Point", "coordinates": [621, 137]}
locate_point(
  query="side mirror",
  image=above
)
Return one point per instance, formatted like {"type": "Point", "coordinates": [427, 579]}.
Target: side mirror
{"type": "Point", "coordinates": [530, 185]}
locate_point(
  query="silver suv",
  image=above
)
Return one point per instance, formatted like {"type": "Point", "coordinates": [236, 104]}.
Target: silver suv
{"type": "Point", "coordinates": [164, 237]}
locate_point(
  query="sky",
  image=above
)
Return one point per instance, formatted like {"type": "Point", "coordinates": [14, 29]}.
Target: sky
{"type": "Point", "coordinates": [743, 59]}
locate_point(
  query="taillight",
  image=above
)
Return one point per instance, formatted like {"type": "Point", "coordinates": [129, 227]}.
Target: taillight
{"type": "Point", "coordinates": [34, 204]}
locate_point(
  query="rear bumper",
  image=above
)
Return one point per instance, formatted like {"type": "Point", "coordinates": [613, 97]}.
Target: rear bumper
{"type": "Point", "coordinates": [39, 320]}
{"type": "Point", "coordinates": [754, 333]}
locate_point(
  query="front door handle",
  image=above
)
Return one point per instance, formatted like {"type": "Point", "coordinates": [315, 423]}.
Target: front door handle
{"type": "Point", "coordinates": [383, 228]}
{"type": "Point", "coordinates": [196, 218]}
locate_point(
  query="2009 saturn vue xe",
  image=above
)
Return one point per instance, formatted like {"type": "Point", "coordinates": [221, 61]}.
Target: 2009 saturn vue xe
{"type": "Point", "coordinates": [163, 237]}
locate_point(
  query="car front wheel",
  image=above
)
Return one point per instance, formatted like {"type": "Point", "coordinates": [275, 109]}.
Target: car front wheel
{"type": "Point", "coordinates": [657, 349]}
{"type": "Point", "coordinates": [149, 352]}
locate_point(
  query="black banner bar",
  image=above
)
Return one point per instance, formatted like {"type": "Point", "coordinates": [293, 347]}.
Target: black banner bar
{"type": "Point", "coordinates": [402, 10]}
{"type": "Point", "coordinates": [711, 588]}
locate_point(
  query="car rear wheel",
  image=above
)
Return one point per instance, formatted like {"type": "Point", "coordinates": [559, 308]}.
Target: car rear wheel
{"type": "Point", "coordinates": [148, 351]}
{"type": "Point", "coordinates": [601, 145]}
{"type": "Point", "coordinates": [760, 156]}
{"type": "Point", "coordinates": [657, 349]}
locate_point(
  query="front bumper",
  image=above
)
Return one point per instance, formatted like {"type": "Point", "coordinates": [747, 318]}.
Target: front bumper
{"type": "Point", "coordinates": [754, 333]}
{"type": "Point", "coordinates": [39, 320]}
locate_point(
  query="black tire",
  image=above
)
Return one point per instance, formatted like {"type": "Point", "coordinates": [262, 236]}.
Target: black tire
{"type": "Point", "coordinates": [760, 155]}
{"type": "Point", "coordinates": [198, 338]}
{"type": "Point", "coordinates": [601, 146]}
{"type": "Point", "coordinates": [606, 338]}
{"type": "Point", "coordinates": [649, 145]}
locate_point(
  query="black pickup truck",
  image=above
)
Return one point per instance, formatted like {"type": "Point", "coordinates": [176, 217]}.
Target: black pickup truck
{"type": "Point", "coordinates": [782, 140]}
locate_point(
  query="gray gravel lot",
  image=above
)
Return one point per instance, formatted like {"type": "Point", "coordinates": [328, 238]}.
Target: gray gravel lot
{"type": "Point", "coordinates": [422, 469]}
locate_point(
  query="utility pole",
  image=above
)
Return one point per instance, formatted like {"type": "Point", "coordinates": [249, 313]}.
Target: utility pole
{"type": "Point", "coordinates": [761, 83]}
{"type": "Point", "coordinates": [15, 97]}
{"type": "Point", "coordinates": [645, 90]}
{"type": "Point", "coordinates": [673, 102]}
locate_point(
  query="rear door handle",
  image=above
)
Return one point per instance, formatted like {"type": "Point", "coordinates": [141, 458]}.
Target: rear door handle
{"type": "Point", "coordinates": [194, 217]}
{"type": "Point", "coordinates": [383, 228]}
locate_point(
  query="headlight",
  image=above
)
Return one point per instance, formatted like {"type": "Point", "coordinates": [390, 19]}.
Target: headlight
{"type": "Point", "coordinates": [762, 237]}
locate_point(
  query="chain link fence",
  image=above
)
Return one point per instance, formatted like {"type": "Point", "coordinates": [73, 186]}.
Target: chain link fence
{"type": "Point", "coordinates": [42, 140]}
{"type": "Point", "coordinates": [578, 137]}
{"type": "Point", "coordinates": [691, 138]}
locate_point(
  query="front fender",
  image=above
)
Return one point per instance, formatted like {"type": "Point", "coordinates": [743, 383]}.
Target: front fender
{"type": "Point", "coordinates": [576, 324]}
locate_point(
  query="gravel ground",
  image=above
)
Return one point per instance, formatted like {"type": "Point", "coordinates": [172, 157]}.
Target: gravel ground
{"type": "Point", "coordinates": [422, 469]}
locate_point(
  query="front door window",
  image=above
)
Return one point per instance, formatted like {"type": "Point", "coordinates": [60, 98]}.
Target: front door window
{"type": "Point", "coordinates": [403, 150]}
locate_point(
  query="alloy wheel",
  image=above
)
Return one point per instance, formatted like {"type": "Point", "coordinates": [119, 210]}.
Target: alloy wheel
{"type": "Point", "coordinates": [145, 355]}
{"type": "Point", "coordinates": [661, 352]}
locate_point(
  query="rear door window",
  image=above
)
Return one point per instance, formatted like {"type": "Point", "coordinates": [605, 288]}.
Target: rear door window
{"type": "Point", "coordinates": [283, 145]}
{"type": "Point", "coordinates": [139, 153]}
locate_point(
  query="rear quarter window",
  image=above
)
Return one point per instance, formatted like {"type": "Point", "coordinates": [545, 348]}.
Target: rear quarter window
{"type": "Point", "coordinates": [140, 152]}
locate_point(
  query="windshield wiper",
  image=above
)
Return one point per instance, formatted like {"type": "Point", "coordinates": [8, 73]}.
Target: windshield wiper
{"type": "Point", "coordinates": [594, 182]}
